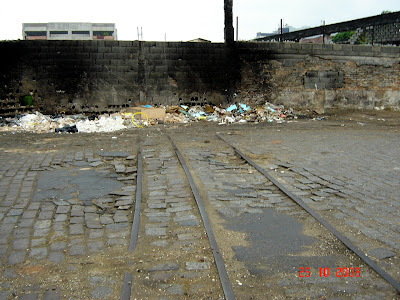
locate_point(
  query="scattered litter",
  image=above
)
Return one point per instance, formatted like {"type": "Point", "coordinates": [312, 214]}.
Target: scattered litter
{"type": "Point", "coordinates": [67, 128]}
{"type": "Point", "coordinates": [147, 115]}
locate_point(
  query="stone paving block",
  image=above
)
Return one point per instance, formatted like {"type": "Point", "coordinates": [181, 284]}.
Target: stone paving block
{"type": "Point", "coordinates": [381, 253]}
{"type": "Point", "coordinates": [38, 253]}
{"type": "Point", "coordinates": [106, 219]}
{"type": "Point", "coordinates": [15, 212]}
{"type": "Point", "coordinates": [120, 218]}
{"type": "Point", "coordinates": [3, 249]}
{"type": "Point", "coordinates": [76, 220]}
{"type": "Point", "coordinates": [117, 227]}
{"type": "Point", "coordinates": [63, 209]}
{"type": "Point", "coordinates": [90, 210]}
{"type": "Point", "coordinates": [96, 233]}
{"type": "Point", "coordinates": [179, 209]}
{"type": "Point", "coordinates": [158, 214]}
{"type": "Point", "coordinates": [77, 211]}
{"type": "Point", "coordinates": [77, 250]}
{"type": "Point", "coordinates": [42, 224]}
{"type": "Point", "coordinates": [10, 220]}
{"type": "Point", "coordinates": [47, 207]}
{"type": "Point", "coordinates": [118, 234]}
{"type": "Point", "coordinates": [41, 232]}
{"type": "Point", "coordinates": [76, 229]}
{"type": "Point", "coordinates": [168, 266]}
{"type": "Point", "coordinates": [197, 266]}
{"type": "Point", "coordinates": [185, 218]}
{"type": "Point", "coordinates": [253, 210]}
{"type": "Point", "coordinates": [60, 217]}
{"type": "Point", "coordinates": [188, 236]}
{"type": "Point", "coordinates": [123, 203]}
{"type": "Point", "coordinates": [162, 243]}
{"type": "Point", "coordinates": [370, 232]}
{"type": "Point", "coordinates": [117, 241]}
{"type": "Point", "coordinates": [57, 246]}
{"type": "Point", "coordinates": [192, 223]}
{"type": "Point", "coordinates": [121, 154]}
{"type": "Point", "coordinates": [173, 289]}
{"type": "Point", "coordinates": [16, 257]}
{"type": "Point", "coordinates": [129, 188]}
{"type": "Point", "coordinates": [45, 215]}
{"type": "Point", "coordinates": [29, 297]}
{"type": "Point", "coordinates": [95, 246]}
{"type": "Point", "coordinates": [9, 273]}
{"type": "Point", "coordinates": [61, 203]}
{"type": "Point", "coordinates": [156, 231]}
{"type": "Point", "coordinates": [56, 257]}
{"type": "Point", "coordinates": [126, 207]}
{"type": "Point", "coordinates": [96, 164]}
{"type": "Point", "coordinates": [20, 244]}
{"type": "Point", "coordinates": [157, 193]}
{"type": "Point", "coordinates": [26, 223]}
{"type": "Point", "coordinates": [120, 168]}
{"type": "Point", "coordinates": [38, 242]}
{"type": "Point", "coordinates": [94, 225]}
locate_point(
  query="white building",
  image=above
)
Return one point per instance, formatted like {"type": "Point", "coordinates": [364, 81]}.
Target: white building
{"type": "Point", "coordinates": [69, 31]}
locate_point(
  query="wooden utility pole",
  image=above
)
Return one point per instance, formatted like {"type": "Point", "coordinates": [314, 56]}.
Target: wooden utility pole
{"type": "Point", "coordinates": [229, 31]}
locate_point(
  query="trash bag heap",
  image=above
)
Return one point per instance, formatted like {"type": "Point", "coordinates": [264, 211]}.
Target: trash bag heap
{"type": "Point", "coordinates": [237, 113]}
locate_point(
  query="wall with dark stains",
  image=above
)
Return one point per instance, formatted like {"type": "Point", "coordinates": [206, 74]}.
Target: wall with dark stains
{"type": "Point", "coordinates": [320, 76]}
{"type": "Point", "coordinates": [107, 76]}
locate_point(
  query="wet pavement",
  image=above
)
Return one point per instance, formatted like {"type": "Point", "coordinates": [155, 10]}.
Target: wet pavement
{"type": "Point", "coordinates": [67, 204]}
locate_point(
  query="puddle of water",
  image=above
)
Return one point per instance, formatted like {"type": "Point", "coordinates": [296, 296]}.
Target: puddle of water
{"type": "Point", "coordinates": [79, 182]}
{"type": "Point", "coordinates": [275, 243]}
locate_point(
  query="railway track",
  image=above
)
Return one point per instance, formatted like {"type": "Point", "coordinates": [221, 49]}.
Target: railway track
{"type": "Point", "coordinates": [211, 223]}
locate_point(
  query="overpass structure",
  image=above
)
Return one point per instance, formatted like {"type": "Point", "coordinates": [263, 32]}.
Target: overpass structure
{"type": "Point", "coordinates": [380, 29]}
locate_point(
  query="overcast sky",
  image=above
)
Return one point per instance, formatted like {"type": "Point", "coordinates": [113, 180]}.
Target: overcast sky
{"type": "Point", "coordinates": [182, 20]}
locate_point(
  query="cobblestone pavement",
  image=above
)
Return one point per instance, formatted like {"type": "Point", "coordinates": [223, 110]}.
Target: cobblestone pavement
{"type": "Point", "coordinates": [67, 201]}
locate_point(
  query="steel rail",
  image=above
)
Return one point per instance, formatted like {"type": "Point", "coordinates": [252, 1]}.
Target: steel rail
{"type": "Point", "coordinates": [223, 275]}
{"type": "Point", "coordinates": [320, 219]}
{"type": "Point", "coordinates": [138, 203]}
{"type": "Point", "coordinates": [126, 287]}
{"type": "Point", "coordinates": [127, 283]}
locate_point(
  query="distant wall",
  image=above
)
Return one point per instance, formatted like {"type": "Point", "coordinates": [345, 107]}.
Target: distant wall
{"type": "Point", "coordinates": [320, 76]}
{"type": "Point", "coordinates": [99, 76]}
{"type": "Point", "coordinates": [105, 76]}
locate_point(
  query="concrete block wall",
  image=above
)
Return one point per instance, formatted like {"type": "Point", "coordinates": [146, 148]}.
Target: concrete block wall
{"type": "Point", "coordinates": [383, 34]}
{"type": "Point", "coordinates": [101, 76]}
{"type": "Point", "coordinates": [323, 76]}
{"type": "Point", "coordinates": [106, 76]}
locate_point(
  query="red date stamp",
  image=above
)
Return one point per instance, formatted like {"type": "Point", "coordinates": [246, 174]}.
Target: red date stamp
{"type": "Point", "coordinates": [325, 272]}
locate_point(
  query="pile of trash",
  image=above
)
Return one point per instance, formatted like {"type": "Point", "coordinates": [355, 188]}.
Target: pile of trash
{"type": "Point", "coordinates": [70, 124]}
{"type": "Point", "coordinates": [236, 113]}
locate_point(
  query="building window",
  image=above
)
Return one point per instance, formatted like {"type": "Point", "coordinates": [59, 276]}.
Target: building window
{"type": "Point", "coordinates": [103, 33]}
{"type": "Point", "coordinates": [35, 35]}
{"type": "Point", "coordinates": [81, 33]}
{"type": "Point", "coordinates": [58, 33]}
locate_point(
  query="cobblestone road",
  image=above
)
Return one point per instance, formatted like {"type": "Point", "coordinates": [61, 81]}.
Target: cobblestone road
{"type": "Point", "coordinates": [67, 201]}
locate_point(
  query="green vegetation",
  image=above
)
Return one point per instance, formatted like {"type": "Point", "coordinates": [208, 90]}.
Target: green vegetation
{"type": "Point", "coordinates": [342, 37]}
{"type": "Point", "coordinates": [26, 100]}
{"type": "Point", "coordinates": [386, 12]}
